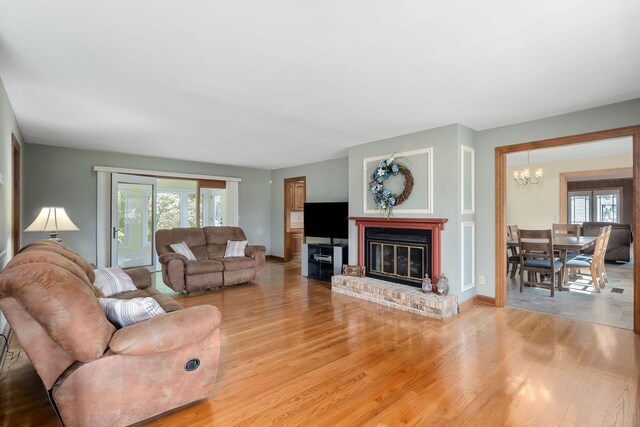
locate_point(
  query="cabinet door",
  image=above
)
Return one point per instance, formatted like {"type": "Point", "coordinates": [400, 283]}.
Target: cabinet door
{"type": "Point", "coordinates": [296, 243]}
{"type": "Point", "coordinates": [298, 197]}
{"type": "Point", "coordinates": [292, 197]}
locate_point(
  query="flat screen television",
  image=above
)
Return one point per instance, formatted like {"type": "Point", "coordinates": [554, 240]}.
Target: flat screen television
{"type": "Point", "coordinates": [326, 219]}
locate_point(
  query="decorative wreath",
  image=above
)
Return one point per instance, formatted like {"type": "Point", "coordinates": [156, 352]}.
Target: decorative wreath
{"type": "Point", "coordinates": [384, 199]}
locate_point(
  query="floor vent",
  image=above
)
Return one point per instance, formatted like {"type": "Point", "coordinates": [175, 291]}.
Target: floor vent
{"type": "Point", "coordinates": [617, 290]}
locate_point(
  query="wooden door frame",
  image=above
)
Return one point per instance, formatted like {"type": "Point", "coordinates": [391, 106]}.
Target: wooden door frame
{"type": "Point", "coordinates": [15, 194]}
{"type": "Point", "coordinates": [594, 174]}
{"type": "Point", "coordinates": [287, 213]}
{"type": "Point", "coordinates": [500, 194]}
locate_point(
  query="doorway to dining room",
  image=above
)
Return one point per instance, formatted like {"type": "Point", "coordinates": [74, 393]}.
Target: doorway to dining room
{"type": "Point", "coordinates": [587, 182]}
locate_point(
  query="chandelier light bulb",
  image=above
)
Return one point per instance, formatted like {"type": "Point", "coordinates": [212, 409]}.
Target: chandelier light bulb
{"type": "Point", "coordinates": [523, 177]}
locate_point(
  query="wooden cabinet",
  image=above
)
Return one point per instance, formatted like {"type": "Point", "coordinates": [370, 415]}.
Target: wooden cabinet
{"type": "Point", "coordinates": [296, 242]}
{"type": "Point", "coordinates": [297, 196]}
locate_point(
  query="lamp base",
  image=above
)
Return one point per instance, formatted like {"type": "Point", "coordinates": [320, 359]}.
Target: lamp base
{"type": "Point", "coordinates": [54, 236]}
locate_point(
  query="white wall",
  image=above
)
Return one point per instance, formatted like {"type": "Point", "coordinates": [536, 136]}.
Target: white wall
{"type": "Point", "coordinates": [538, 206]}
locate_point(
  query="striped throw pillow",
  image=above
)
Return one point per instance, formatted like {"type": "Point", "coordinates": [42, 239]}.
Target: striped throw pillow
{"type": "Point", "coordinates": [125, 312]}
{"type": "Point", "coordinates": [182, 249]}
{"type": "Point", "coordinates": [235, 248]}
{"type": "Point", "coordinates": [113, 280]}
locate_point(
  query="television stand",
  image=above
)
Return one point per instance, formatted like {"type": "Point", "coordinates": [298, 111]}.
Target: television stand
{"type": "Point", "coordinates": [321, 261]}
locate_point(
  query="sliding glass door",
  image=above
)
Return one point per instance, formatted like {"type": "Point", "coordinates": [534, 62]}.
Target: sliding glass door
{"type": "Point", "coordinates": [133, 199]}
{"type": "Point", "coordinates": [140, 205]}
{"type": "Point", "coordinates": [212, 206]}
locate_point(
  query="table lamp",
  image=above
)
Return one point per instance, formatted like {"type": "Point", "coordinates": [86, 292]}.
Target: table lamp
{"type": "Point", "coordinates": [52, 219]}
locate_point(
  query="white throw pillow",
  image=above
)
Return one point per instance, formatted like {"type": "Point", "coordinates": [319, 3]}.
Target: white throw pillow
{"type": "Point", "coordinates": [125, 312]}
{"type": "Point", "coordinates": [235, 248]}
{"type": "Point", "coordinates": [113, 280]}
{"type": "Point", "coordinates": [182, 249]}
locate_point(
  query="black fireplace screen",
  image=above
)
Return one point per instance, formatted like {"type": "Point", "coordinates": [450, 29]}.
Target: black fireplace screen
{"type": "Point", "coordinates": [398, 255]}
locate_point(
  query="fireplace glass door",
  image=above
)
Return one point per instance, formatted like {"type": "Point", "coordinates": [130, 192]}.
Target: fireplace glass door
{"type": "Point", "coordinates": [397, 260]}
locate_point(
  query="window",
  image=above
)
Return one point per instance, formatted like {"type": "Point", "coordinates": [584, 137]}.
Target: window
{"type": "Point", "coordinates": [579, 207]}
{"type": "Point", "coordinates": [597, 205]}
{"type": "Point", "coordinates": [123, 224]}
{"type": "Point", "coordinates": [147, 225]}
{"type": "Point", "coordinates": [176, 208]}
{"type": "Point", "coordinates": [607, 205]}
{"type": "Point", "coordinates": [191, 210]}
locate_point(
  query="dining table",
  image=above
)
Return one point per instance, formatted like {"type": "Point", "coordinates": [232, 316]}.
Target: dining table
{"type": "Point", "coordinates": [563, 244]}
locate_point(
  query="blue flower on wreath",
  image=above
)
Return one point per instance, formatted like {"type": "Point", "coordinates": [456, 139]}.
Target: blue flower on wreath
{"type": "Point", "coordinates": [384, 198]}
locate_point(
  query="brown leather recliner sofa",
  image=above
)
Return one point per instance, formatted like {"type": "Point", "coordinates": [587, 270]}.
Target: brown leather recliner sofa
{"type": "Point", "coordinates": [211, 269]}
{"type": "Point", "coordinates": [620, 240]}
{"type": "Point", "coordinates": [97, 375]}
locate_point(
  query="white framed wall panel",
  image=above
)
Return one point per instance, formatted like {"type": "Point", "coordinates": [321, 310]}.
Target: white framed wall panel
{"type": "Point", "coordinates": [421, 199]}
{"type": "Point", "coordinates": [468, 254]}
{"type": "Point", "coordinates": [467, 180]}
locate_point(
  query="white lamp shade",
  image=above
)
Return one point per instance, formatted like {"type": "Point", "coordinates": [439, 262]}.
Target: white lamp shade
{"type": "Point", "coordinates": [52, 219]}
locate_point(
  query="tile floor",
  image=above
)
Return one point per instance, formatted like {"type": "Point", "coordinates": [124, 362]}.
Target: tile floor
{"type": "Point", "coordinates": [581, 303]}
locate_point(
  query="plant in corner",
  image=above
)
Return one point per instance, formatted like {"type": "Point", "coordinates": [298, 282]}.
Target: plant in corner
{"type": "Point", "coordinates": [384, 199]}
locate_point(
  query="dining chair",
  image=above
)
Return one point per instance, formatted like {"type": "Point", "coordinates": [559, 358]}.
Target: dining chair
{"type": "Point", "coordinates": [595, 262]}
{"type": "Point", "coordinates": [566, 229]}
{"type": "Point", "coordinates": [537, 257]}
{"type": "Point", "coordinates": [603, 271]}
{"type": "Point", "coordinates": [513, 257]}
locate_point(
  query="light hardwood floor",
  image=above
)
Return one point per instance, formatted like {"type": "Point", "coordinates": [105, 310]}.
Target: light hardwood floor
{"type": "Point", "coordinates": [295, 354]}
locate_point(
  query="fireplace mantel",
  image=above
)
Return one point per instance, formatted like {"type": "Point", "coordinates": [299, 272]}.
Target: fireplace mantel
{"type": "Point", "coordinates": [436, 225]}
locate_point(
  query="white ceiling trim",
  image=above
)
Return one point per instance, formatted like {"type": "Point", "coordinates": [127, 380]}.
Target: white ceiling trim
{"type": "Point", "coordinates": [164, 174]}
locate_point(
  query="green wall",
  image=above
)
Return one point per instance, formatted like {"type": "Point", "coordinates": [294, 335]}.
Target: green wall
{"type": "Point", "coordinates": [602, 118]}
{"type": "Point", "coordinates": [327, 181]}
{"type": "Point", "coordinates": [65, 177]}
{"type": "Point", "coordinates": [447, 143]}
{"type": "Point", "coordinates": [8, 126]}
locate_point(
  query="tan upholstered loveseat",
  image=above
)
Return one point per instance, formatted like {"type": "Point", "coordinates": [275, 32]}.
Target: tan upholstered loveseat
{"type": "Point", "coordinates": [211, 269]}
{"type": "Point", "coordinates": [97, 375]}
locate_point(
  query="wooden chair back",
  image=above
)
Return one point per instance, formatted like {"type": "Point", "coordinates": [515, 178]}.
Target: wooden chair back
{"type": "Point", "coordinates": [566, 229]}
{"type": "Point", "coordinates": [605, 244]}
{"type": "Point", "coordinates": [535, 245]}
{"type": "Point", "coordinates": [513, 260]}
{"type": "Point", "coordinates": [537, 257]}
{"type": "Point", "coordinates": [599, 248]}
{"type": "Point", "coordinates": [512, 234]}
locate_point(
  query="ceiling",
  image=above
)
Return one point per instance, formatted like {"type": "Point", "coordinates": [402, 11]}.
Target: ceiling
{"type": "Point", "coordinates": [272, 84]}
{"type": "Point", "coordinates": [602, 148]}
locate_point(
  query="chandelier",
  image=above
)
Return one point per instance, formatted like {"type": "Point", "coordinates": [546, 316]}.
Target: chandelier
{"type": "Point", "coordinates": [523, 177]}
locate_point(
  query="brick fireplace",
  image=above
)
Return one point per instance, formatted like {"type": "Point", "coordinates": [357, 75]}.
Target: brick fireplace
{"type": "Point", "coordinates": [400, 250]}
